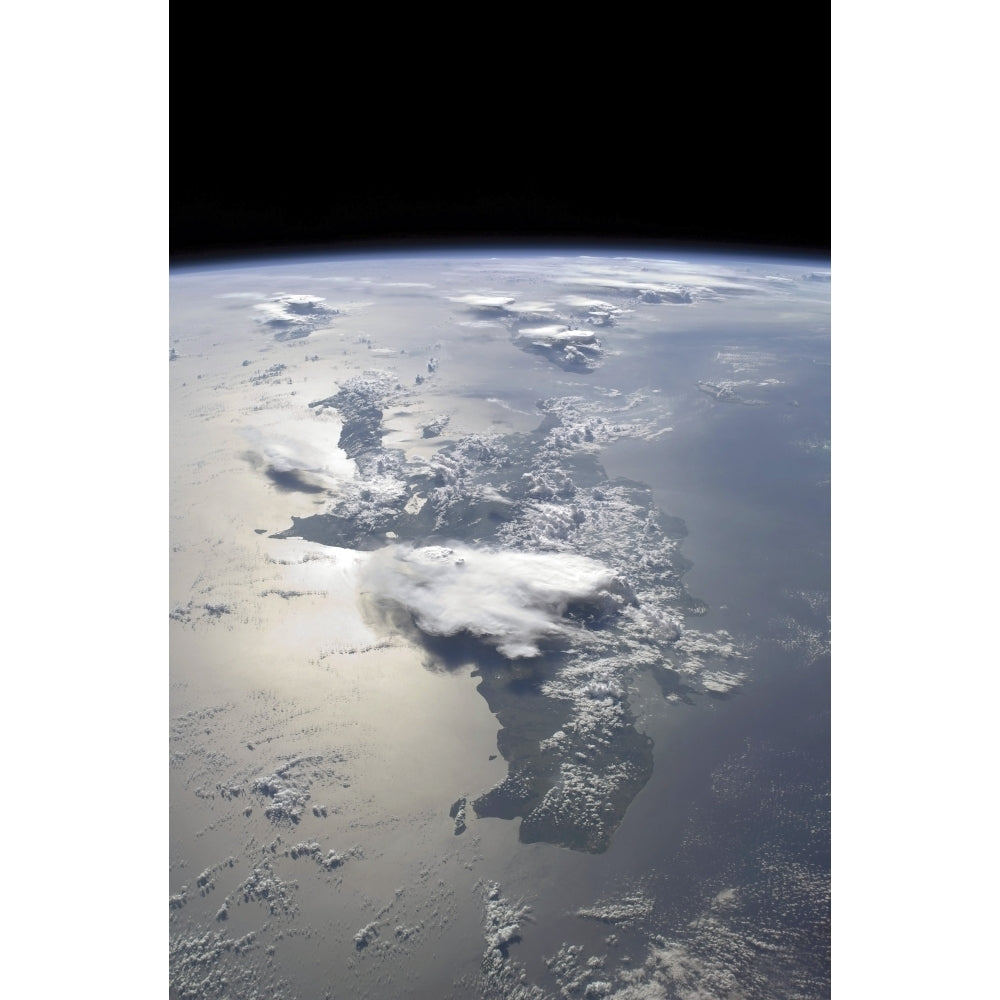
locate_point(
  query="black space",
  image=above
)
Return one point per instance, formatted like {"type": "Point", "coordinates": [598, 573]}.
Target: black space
{"type": "Point", "coordinates": [306, 139]}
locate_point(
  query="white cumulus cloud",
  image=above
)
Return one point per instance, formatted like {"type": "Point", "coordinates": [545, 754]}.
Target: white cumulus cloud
{"type": "Point", "coordinates": [302, 457]}
{"type": "Point", "coordinates": [511, 600]}
{"type": "Point", "coordinates": [293, 316]}
{"type": "Point", "coordinates": [479, 300]}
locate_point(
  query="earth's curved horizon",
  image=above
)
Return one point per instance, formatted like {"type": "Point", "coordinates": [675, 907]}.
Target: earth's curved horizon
{"type": "Point", "coordinates": [499, 611]}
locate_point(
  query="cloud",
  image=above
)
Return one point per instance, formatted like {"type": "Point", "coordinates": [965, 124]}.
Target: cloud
{"type": "Point", "coordinates": [624, 912]}
{"type": "Point", "coordinates": [485, 302]}
{"type": "Point", "coordinates": [296, 463]}
{"type": "Point", "coordinates": [510, 600]}
{"type": "Point", "coordinates": [293, 316]}
{"type": "Point", "coordinates": [555, 335]}
{"type": "Point", "coordinates": [569, 348]}
{"type": "Point", "coordinates": [505, 307]}
{"type": "Point", "coordinates": [665, 294]}
{"type": "Point", "coordinates": [598, 312]}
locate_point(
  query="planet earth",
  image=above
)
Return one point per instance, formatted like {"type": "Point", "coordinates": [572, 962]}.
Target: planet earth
{"type": "Point", "coordinates": [500, 627]}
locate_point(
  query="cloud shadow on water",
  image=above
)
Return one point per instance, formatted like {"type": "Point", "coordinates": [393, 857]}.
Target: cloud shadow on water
{"type": "Point", "coordinates": [292, 481]}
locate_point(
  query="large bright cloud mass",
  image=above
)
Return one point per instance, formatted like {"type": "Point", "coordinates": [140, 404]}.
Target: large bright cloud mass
{"type": "Point", "coordinates": [510, 600]}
